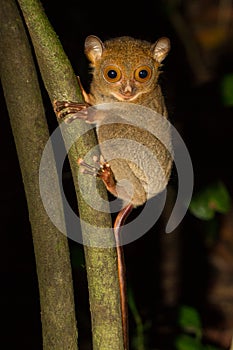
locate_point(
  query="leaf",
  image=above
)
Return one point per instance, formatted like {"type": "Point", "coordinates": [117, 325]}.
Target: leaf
{"type": "Point", "coordinates": [199, 208]}
{"type": "Point", "coordinates": [186, 342]}
{"type": "Point", "coordinates": [189, 319]}
{"type": "Point", "coordinates": [214, 198]}
{"type": "Point", "coordinates": [227, 89]}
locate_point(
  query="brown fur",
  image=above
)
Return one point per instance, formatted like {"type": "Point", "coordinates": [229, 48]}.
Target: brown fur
{"type": "Point", "coordinates": [127, 55]}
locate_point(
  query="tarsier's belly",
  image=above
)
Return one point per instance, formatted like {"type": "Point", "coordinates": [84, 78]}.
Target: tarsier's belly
{"type": "Point", "coordinates": [140, 162]}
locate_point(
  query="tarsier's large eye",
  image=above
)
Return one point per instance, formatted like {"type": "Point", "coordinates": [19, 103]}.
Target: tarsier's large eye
{"type": "Point", "coordinates": [143, 74]}
{"type": "Point", "coordinates": [112, 74]}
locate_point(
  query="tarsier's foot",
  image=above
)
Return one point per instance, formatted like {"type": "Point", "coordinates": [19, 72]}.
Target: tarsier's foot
{"type": "Point", "coordinates": [103, 171]}
{"type": "Point", "coordinates": [70, 110]}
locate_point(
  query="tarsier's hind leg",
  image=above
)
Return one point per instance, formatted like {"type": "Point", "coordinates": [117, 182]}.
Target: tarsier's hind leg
{"type": "Point", "coordinates": [103, 171]}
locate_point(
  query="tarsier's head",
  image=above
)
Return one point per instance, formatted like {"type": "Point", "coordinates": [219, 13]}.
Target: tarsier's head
{"type": "Point", "coordinates": [125, 68]}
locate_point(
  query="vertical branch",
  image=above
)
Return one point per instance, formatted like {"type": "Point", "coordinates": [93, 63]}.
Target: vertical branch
{"type": "Point", "coordinates": [29, 126]}
{"type": "Point", "coordinates": [101, 264]}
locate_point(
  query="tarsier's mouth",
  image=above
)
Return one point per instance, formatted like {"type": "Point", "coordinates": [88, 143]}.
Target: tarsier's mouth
{"type": "Point", "coordinates": [125, 97]}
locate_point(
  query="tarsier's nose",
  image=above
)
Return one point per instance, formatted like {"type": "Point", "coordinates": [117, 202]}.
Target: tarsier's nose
{"type": "Point", "coordinates": [128, 89]}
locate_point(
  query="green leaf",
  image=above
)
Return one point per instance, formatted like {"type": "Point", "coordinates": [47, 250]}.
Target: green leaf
{"type": "Point", "coordinates": [214, 198]}
{"type": "Point", "coordinates": [186, 342]}
{"type": "Point", "coordinates": [227, 89]}
{"type": "Point", "coordinates": [199, 208]}
{"type": "Point", "coordinates": [189, 319]}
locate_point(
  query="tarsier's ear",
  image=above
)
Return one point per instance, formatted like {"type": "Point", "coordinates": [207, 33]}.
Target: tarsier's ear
{"type": "Point", "coordinates": [160, 49]}
{"type": "Point", "coordinates": [93, 48]}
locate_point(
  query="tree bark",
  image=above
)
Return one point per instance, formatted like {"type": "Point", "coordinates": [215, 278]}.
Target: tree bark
{"type": "Point", "coordinates": [29, 126]}
{"type": "Point", "coordinates": [101, 262]}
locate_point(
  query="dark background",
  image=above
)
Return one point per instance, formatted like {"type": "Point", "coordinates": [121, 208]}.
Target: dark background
{"type": "Point", "coordinates": [197, 109]}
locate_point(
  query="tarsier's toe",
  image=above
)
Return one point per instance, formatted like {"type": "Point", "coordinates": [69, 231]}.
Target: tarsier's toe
{"type": "Point", "coordinates": [86, 168]}
{"type": "Point", "coordinates": [60, 105]}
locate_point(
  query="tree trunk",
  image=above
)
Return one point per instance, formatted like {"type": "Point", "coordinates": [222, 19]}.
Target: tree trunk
{"type": "Point", "coordinates": [24, 103]}
{"type": "Point", "coordinates": [61, 84]}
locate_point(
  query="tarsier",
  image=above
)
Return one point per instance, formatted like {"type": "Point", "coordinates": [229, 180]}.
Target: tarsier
{"type": "Point", "coordinates": [124, 70]}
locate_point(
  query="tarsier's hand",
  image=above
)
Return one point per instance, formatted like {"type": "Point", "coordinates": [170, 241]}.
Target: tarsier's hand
{"type": "Point", "coordinates": [69, 110]}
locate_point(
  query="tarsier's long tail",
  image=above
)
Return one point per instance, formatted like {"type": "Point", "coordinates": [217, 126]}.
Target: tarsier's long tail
{"type": "Point", "coordinates": [119, 222]}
